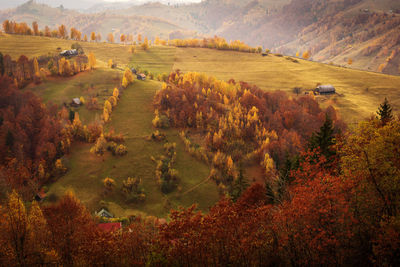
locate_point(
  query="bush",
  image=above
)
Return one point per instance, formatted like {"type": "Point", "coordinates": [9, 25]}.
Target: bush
{"type": "Point", "coordinates": [120, 150]}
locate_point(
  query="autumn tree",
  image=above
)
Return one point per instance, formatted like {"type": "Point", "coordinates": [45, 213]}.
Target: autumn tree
{"type": "Point", "coordinates": [145, 44]}
{"type": "Point", "coordinates": [47, 31]}
{"type": "Point", "coordinates": [306, 55]}
{"type": "Point", "coordinates": [123, 38]}
{"type": "Point", "coordinates": [92, 60]}
{"type": "Point", "coordinates": [109, 184]}
{"type": "Point", "coordinates": [110, 38]}
{"type": "Point", "coordinates": [139, 38]}
{"type": "Point", "coordinates": [35, 28]}
{"type": "Point", "coordinates": [350, 61]}
{"type": "Point", "coordinates": [62, 31]}
{"type": "Point", "coordinates": [93, 36]}
{"type": "Point", "coordinates": [85, 39]}
{"type": "Point", "coordinates": [72, 229]}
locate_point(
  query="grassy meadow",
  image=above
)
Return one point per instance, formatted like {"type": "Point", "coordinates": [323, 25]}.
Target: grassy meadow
{"type": "Point", "coordinates": [132, 117]}
{"type": "Point", "coordinates": [35, 46]}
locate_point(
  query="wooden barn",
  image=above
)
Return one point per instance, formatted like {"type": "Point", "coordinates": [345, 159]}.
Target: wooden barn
{"type": "Point", "coordinates": [325, 89]}
{"type": "Point", "coordinates": [69, 53]}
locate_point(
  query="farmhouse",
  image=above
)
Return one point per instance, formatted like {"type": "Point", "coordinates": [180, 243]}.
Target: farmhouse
{"type": "Point", "coordinates": [325, 89]}
{"type": "Point", "coordinates": [141, 76]}
{"type": "Point", "coordinates": [69, 53]}
{"type": "Point", "coordinates": [104, 213]}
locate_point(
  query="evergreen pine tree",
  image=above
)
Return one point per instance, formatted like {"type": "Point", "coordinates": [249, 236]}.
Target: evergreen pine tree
{"type": "Point", "coordinates": [324, 139]}
{"type": "Point", "coordinates": [385, 112]}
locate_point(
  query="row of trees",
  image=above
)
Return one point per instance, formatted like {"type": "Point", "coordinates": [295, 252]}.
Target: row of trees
{"type": "Point", "coordinates": [213, 43]}
{"type": "Point", "coordinates": [12, 27]}
{"type": "Point", "coordinates": [344, 213]}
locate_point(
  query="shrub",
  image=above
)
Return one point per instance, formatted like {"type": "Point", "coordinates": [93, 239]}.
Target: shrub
{"type": "Point", "coordinates": [120, 150]}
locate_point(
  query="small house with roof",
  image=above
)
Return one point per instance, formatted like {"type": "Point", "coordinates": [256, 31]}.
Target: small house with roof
{"type": "Point", "coordinates": [141, 77]}
{"type": "Point", "coordinates": [325, 89]}
{"type": "Point", "coordinates": [104, 213]}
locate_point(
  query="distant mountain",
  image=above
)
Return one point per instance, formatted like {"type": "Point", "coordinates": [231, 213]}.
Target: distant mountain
{"type": "Point", "coordinates": [70, 4]}
{"type": "Point", "coordinates": [102, 23]}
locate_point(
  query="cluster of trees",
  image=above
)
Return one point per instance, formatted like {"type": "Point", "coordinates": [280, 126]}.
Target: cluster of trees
{"type": "Point", "coordinates": [213, 43]}
{"type": "Point", "coordinates": [166, 175]}
{"type": "Point", "coordinates": [25, 70]}
{"type": "Point", "coordinates": [241, 123]}
{"type": "Point", "coordinates": [32, 140]}
{"type": "Point", "coordinates": [133, 190]}
{"type": "Point", "coordinates": [342, 213]}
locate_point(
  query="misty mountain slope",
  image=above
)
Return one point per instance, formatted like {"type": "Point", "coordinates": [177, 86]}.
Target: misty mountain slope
{"type": "Point", "coordinates": [102, 23]}
{"type": "Point", "coordinates": [371, 39]}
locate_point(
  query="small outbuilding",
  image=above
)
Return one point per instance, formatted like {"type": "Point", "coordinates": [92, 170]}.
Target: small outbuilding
{"type": "Point", "coordinates": [40, 195]}
{"type": "Point", "coordinates": [104, 213]}
{"type": "Point", "coordinates": [141, 77]}
{"type": "Point", "coordinates": [69, 53]}
{"type": "Point", "coordinates": [133, 70]}
{"type": "Point", "coordinates": [76, 102]}
{"type": "Point", "coordinates": [325, 89]}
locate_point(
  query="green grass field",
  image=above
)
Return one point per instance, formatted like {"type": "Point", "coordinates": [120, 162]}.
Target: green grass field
{"type": "Point", "coordinates": [99, 83]}
{"type": "Point", "coordinates": [133, 117]}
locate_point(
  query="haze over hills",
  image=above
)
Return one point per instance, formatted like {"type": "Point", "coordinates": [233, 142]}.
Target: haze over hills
{"type": "Point", "coordinates": [361, 32]}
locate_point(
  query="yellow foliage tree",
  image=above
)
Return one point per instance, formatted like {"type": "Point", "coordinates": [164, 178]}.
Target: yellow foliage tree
{"type": "Point", "coordinates": [350, 61]}
{"type": "Point", "coordinates": [92, 60]}
{"type": "Point", "coordinates": [109, 184]}
{"type": "Point", "coordinates": [116, 93]}
{"type": "Point", "coordinates": [93, 36]}
{"type": "Point", "coordinates": [145, 45]}
{"type": "Point", "coordinates": [110, 38]}
{"type": "Point", "coordinates": [110, 63]}
{"type": "Point", "coordinates": [125, 82]}
{"type": "Point", "coordinates": [306, 55]}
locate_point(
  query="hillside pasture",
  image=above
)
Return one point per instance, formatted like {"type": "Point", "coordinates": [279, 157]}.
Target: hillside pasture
{"type": "Point", "coordinates": [359, 93]}
{"type": "Point", "coordinates": [133, 117]}
{"type": "Point", "coordinates": [35, 46]}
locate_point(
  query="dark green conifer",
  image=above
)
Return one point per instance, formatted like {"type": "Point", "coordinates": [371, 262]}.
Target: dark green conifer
{"type": "Point", "coordinates": [324, 139]}
{"type": "Point", "coordinates": [385, 112]}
